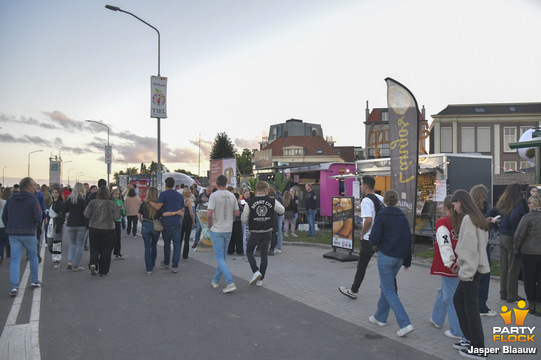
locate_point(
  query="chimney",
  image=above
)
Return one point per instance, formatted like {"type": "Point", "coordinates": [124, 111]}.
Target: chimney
{"type": "Point", "coordinates": [314, 133]}
{"type": "Point", "coordinates": [286, 133]}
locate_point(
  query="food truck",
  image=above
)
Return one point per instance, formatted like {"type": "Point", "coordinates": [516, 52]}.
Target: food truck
{"type": "Point", "coordinates": [320, 176]}
{"type": "Point", "coordinates": [439, 175]}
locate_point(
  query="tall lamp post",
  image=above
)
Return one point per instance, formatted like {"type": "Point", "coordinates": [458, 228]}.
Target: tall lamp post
{"type": "Point", "coordinates": [159, 170]}
{"type": "Point", "coordinates": [107, 149]}
{"type": "Point", "coordinates": [77, 176]}
{"type": "Point", "coordinates": [3, 178]}
{"type": "Point", "coordinates": [31, 152]}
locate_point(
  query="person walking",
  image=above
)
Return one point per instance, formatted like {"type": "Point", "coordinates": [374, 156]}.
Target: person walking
{"type": "Point", "coordinates": [118, 224]}
{"type": "Point", "coordinates": [289, 215]}
{"type": "Point", "coordinates": [528, 247]}
{"type": "Point", "coordinates": [511, 207]}
{"type": "Point", "coordinates": [472, 262]}
{"type": "Point", "coordinates": [21, 215]}
{"type": "Point", "coordinates": [188, 222]}
{"type": "Point", "coordinates": [235, 244]}
{"type": "Point", "coordinates": [101, 213]}
{"type": "Point", "coordinates": [131, 206]}
{"type": "Point", "coordinates": [147, 214]}
{"type": "Point", "coordinates": [311, 208]}
{"type": "Point", "coordinates": [444, 264]}
{"type": "Point", "coordinates": [55, 226]}
{"type": "Point", "coordinates": [258, 214]}
{"type": "Point", "coordinates": [3, 236]}
{"type": "Point", "coordinates": [370, 206]}
{"type": "Point", "coordinates": [171, 205]}
{"type": "Point", "coordinates": [74, 208]}
{"type": "Point", "coordinates": [391, 233]}
{"type": "Point", "coordinates": [222, 207]}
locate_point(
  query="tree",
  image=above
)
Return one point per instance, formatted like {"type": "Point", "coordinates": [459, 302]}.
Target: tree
{"type": "Point", "coordinates": [222, 148]}
{"type": "Point", "coordinates": [184, 172]}
{"type": "Point", "coordinates": [244, 162]}
{"type": "Point", "coordinates": [129, 171]}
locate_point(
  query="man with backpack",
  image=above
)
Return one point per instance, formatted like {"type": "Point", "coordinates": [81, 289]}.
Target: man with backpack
{"type": "Point", "coordinates": [371, 204]}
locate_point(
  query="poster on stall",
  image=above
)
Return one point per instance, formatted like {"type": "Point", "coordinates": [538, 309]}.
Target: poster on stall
{"type": "Point", "coordinates": [205, 242]}
{"type": "Point", "coordinates": [342, 222]}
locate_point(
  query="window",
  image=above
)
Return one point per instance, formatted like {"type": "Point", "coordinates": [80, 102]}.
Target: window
{"type": "Point", "coordinates": [509, 166]}
{"type": "Point", "coordinates": [509, 136]}
{"type": "Point", "coordinates": [467, 140]}
{"type": "Point", "coordinates": [479, 110]}
{"type": "Point", "coordinates": [483, 139]}
{"type": "Point", "coordinates": [524, 165]}
{"type": "Point", "coordinates": [299, 152]}
{"type": "Point", "coordinates": [512, 108]}
{"type": "Point", "coordinates": [384, 116]}
{"type": "Point", "coordinates": [523, 129]}
{"type": "Point", "coordinates": [446, 140]}
{"type": "Point", "coordinates": [288, 152]}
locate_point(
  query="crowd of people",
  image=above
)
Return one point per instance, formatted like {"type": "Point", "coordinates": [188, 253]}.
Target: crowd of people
{"type": "Point", "coordinates": [252, 224]}
{"type": "Point", "coordinates": [97, 215]}
{"type": "Point", "coordinates": [461, 258]}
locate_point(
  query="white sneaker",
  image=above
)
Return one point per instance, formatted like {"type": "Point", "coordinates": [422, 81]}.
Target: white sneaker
{"type": "Point", "coordinates": [214, 285]}
{"type": "Point", "coordinates": [259, 283]}
{"type": "Point", "coordinates": [451, 335]}
{"type": "Point", "coordinates": [230, 288]}
{"type": "Point", "coordinates": [372, 319]}
{"type": "Point", "coordinates": [277, 251]}
{"type": "Point", "coordinates": [405, 330]}
{"type": "Point", "coordinates": [257, 275]}
{"type": "Point", "coordinates": [436, 325]}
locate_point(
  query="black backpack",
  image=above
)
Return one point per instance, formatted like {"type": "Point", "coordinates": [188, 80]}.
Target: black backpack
{"type": "Point", "coordinates": [378, 205]}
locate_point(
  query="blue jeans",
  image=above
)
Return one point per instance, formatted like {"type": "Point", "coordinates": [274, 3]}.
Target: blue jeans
{"type": "Point", "coordinates": [150, 238]}
{"type": "Point", "coordinates": [220, 243]}
{"type": "Point", "coordinates": [30, 243]}
{"type": "Point", "coordinates": [444, 305]}
{"type": "Point", "coordinates": [171, 233]}
{"type": "Point", "coordinates": [311, 218]}
{"type": "Point", "coordinates": [388, 267]}
{"type": "Point", "coordinates": [77, 244]}
{"type": "Point", "coordinates": [279, 236]}
{"type": "Point", "coordinates": [198, 230]}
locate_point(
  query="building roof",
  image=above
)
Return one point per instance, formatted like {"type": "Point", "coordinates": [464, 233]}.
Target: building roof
{"type": "Point", "coordinates": [313, 145]}
{"type": "Point", "coordinates": [376, 115]}
{"type": "Point", "coordinates": [492, 109]}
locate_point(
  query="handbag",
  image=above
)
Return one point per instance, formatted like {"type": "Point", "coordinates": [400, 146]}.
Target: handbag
{"type": "Point", "coordinates": [157, 225]}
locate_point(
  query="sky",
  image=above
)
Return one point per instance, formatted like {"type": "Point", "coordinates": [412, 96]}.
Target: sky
{"type": "Point", "coordinates": [239, 67]}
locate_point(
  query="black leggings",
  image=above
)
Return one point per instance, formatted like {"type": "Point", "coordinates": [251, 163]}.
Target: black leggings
{"type": "Point", "coordinates": [132, 221]}
{"type": "Point", "coordinates": [531, 274]}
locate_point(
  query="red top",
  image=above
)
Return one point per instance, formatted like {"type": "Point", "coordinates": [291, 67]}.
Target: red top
{"type": "Point", "coordinates": [444, 249]}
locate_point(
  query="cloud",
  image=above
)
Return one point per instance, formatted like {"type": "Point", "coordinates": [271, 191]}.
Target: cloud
{"type": "Point", "coordinates": [27, 121]}
{"type": "Point", "coordinates": [64, 121]}
{"type": "Point", "coordinates": [247, 143]}
{"type": "Point", "coordinates": [25, 139]}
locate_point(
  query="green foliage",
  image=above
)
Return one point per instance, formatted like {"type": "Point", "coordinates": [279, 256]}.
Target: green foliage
{"type": "Point", "coordinates": [129, 171]}
{"type": "Point", "coordinates": [244, 161]}
{"type": "Point", "coordinates": [184, 172]}
{"type": "Point", "coordinates": [280, 182]}
{"type": "Point", "coordinates": [222, 148]}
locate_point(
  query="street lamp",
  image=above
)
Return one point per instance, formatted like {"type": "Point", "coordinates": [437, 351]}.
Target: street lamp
{"type": "Point", "coordinates": [77, 176]}
{"type": "Point", "coordinates": [31, 152]}
{"type": "Point", "coordinates": [159, 170]}
{"type": "Point", "coordinates": [3, 178]}
{"type": "Point", "coordinates": [69, 176]}
{"type": "Point", "coordinates": [107, 150]}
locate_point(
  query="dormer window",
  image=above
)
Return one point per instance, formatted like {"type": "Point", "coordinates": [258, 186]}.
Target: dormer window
{"type": "Point", "coordinates": [293, 150]}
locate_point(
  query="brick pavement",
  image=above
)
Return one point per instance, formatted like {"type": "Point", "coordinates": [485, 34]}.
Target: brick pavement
{"type": "Point", "coordinates": [301, 273]}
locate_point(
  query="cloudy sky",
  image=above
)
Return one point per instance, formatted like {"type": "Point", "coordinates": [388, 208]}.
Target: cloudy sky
{"type": "Point", "coordinates": [240, 66]}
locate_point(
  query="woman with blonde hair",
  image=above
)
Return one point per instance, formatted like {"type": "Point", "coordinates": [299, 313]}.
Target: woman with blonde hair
{"type": "Point", "coordinates": [147, 214]}
{"type": "Point", "coordinates": [528, 247]}
{"type": "Point", "coordinates": [74, 207]}
{"type": "Point", "coordinates": [472, 262]}
{"type": "Point", "coordinates": [188, 222]}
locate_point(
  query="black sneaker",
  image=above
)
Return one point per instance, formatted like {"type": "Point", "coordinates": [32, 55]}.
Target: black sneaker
{"type": "Point", "coordinates": [462, 344]}
{"type": "Point", "coordinates": [35, 285]}
{"type": "Point", "coordinates": [471, 355]}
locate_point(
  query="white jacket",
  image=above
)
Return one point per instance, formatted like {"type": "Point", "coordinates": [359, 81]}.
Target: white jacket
{"type": "Point", "coordinates": [471, 250]}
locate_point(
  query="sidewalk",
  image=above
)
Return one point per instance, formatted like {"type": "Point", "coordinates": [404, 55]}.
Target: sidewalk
{"type": "Point", "coordinates": [301, 273]}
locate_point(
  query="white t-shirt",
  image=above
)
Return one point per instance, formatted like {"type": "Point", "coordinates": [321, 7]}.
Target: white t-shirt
{"type": "Point", "coordinates": [368, 210]}
{"type": "Point", "coordinates": [223, 203]}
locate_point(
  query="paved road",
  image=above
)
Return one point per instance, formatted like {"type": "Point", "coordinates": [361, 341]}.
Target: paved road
{"type": "Point", "coordinates": [298, 314]}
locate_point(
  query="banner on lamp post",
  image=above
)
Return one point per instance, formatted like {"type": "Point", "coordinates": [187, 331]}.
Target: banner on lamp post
{"type": "Point", "coordinates": [108, 154]}
{"type": "Point", "coordinates": [403, 143]}
{"type": "Point", "coordinates": [158, 97]}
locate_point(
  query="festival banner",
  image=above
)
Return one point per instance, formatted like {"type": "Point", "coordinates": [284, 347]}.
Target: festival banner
{"type": "Point", "coordinates": [227, 167]}
{"type": "Point", "coordinates": [404, 139]}
{"type": "Point", "coordinates": [342, 222]}
{"type": "Point", "coordinates": [158, 96]}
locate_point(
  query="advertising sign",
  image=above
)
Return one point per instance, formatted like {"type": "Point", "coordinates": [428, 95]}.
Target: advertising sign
{"type": "Point", "coordinates": [263, 159]}
{"type": "Point", "coordinates": [342, 222]}
{"type": "Point", "coordinates": [403, 137]}
{"type": "Point", "coordinates": [158, 97]}
{"type": "Point", "coordinates": [108, 154]}
{"type": "Point", "coordinates": [54, 172]}
{"type": "Point", "coordinates": [227, 167]}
